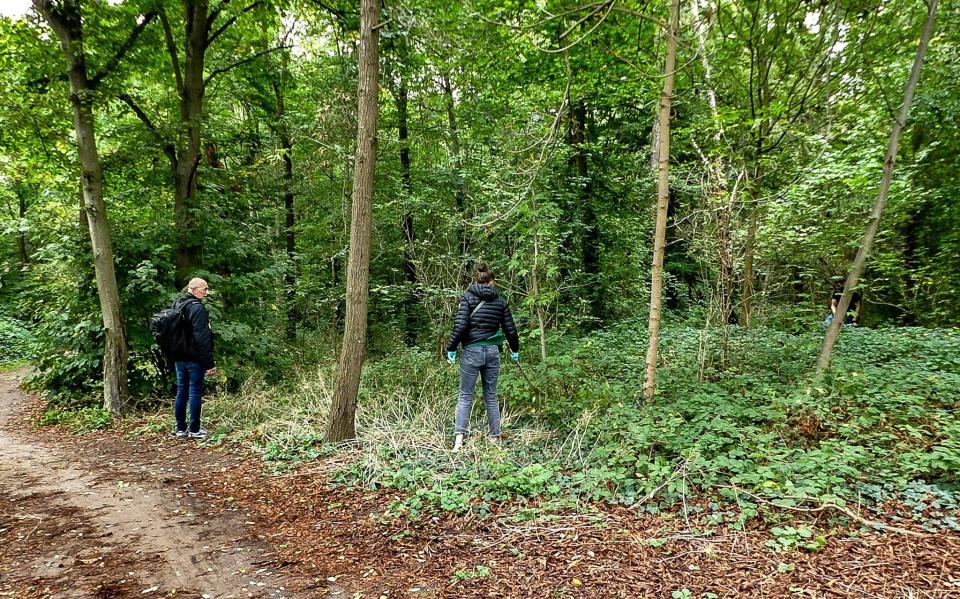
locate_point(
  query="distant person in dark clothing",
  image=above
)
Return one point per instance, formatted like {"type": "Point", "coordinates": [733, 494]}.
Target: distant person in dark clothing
{"type": "Point", "coordinates": [195, 360]}
{"type": "Point", "coordinates": [853, 310]}
{"type": "Point", "coordinates": [482, 324]}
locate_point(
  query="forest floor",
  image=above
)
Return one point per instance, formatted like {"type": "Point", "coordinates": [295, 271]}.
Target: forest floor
{"type": "Point", "coordinates": [110, 514]}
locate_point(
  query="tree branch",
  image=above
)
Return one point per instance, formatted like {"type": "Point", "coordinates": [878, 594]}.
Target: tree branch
{"type": "Point", "coordinates": [216, 13]}
{"type": "Point", "coordinates": [172, 50]}
{"type": "Point", "coordinates": [123, 49]}
{"type": "Point", "coordinates": [229, 22]}
{"type": "Point", "coordinates": [340, 14]}
{"type": "Point", "coordinates": [230, 67]}
{"type": "Point", "coordinates": [168, 148]}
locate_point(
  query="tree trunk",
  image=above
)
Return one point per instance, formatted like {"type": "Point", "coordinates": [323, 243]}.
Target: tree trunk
{"type": "Point", "coordinates": [23, 255]}
{"type": "Point", "coordinates": [460, 195]}
{"type": "Point", "coordinates": [289, 206]}
{"type": "Point", "coordinates": [663, 200]}
{"type": "Point", "coordinates": [192, 89]}
{"type": "Point", "coordinates": [66, 21]}
{"type": "Point", "coordinates": [859, 263]}
{"type": "Point", "coordinates": [591, 237]}
{"type": "Point", "coordinates": [759, 110]}
{"type": "Point", "coordinates": [343, 410]}
{"type": "Point", "coordinates": [409, 264]}
{"type": "Point", "coordinates": [749, 251]}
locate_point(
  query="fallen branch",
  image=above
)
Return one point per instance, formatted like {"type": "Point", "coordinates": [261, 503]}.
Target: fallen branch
{"type": "Point", "coordinates": [824, 506]}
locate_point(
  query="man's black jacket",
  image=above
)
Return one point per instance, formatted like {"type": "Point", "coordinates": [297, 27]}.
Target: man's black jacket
{"type": "Point", "coordinates": [199, 347]}
{"type": "Point", "coordinates": [493, 315]}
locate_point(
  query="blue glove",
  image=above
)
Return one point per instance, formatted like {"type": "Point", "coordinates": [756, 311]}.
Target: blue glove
{"type": "Point", "coordinates": [515, 356]}
{"type": "Point", "coordinates": [451, 356]}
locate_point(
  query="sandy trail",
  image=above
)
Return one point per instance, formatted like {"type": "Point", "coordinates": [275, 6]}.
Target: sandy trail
{"type": "Point", "coordinates": [75, 525]}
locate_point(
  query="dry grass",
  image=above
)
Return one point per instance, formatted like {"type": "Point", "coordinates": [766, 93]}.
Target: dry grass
{"type": "Point", "coordinates": [394, 418]}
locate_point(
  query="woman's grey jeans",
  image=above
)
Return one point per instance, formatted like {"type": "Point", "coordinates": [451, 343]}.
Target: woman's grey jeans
{"type": "Point", "coordinates": [483, 361]}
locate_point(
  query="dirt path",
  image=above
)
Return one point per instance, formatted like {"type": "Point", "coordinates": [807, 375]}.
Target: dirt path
{"type": "Point", "coordinates": [69, 527]}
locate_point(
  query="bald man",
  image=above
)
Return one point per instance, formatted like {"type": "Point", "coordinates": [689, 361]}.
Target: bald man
{"type": "Point", "coordinates": [194, 361]}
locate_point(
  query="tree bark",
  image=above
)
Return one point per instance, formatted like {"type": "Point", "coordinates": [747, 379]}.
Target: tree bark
{"type": "Point", "coordinates": [859, 263]}
{"type": "Point", "coordinates": [342, 424]}
{"type": "Point", "coordinates": [66, 21]}
{"type": "Point", "coordinates": [663, 201]}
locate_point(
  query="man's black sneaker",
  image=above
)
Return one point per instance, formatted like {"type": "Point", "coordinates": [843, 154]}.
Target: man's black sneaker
{"type": "Point", "coordinates": [200, 434]}
{"type": "Point", "coordinates": [181, 434]}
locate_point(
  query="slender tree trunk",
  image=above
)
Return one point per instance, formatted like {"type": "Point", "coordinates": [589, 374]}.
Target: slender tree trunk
{"type": "Point", "coordinates": [591, 237]}
{"type": "Point", "coordinates": [289, 208]}
{"type": "Point", "coordinates": [759, 110]}
{"type": "Point", "coordinates": [290, 221]}
{"type": "Point", "coordinates": [23, 254]}
{"type": "Point", "coordinates": [409, 263]}
{"type": "Point", "coordinates": [460, 197]}
{"type": "Point", "coordinates": [663, 201]}
{"type": "Point", "coordinates": [66, 21]}
{"type": "Point", "coordinates": [859, 263]}
{"type": "Point", "coordinates": [343, 410]}
{"type": "Point", "coordinates": [749, 274]}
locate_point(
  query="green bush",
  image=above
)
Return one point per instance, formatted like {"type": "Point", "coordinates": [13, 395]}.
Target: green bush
{"type": "Point", "coordinates": [81, 420]}
{"type": "Point", "coordinates": [15, 341]}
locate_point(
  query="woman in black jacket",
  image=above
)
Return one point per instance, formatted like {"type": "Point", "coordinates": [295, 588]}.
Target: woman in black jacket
{"type": "Point", "coordinates": [482, 323]}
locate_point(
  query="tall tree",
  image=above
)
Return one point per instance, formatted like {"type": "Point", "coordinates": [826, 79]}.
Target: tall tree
{"type": "Point", "coordinates": [342, 423]}
{"type": "Point", "coordinates": [663, 200]}
{"type": "Point", "coordinates": [66, 20]}
{"type": "Point", "coordinates": [202, 27]}
{"type": "Point", "coordinates": [859, 263]}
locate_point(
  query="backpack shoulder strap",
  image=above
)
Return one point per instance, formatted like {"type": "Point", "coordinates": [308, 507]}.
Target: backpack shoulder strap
{"type": "Point", "coordinates": [480, 305]}
{"type": "Point", "coordinates": [181, 306]}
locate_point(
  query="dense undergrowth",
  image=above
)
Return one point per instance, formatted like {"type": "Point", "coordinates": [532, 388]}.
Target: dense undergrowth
{"type": "Point", "coordinates": [738, 425]}
{"type": "Point", "coordinates": [15, 339]}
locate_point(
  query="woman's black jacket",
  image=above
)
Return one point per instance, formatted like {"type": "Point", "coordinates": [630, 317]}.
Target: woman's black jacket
{"type": "Point", "coordinates": [493, 315]}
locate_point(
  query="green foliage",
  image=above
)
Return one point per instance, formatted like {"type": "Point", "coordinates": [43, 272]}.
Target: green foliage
{"type": "Point", "coordinates": [478, 571]}
{"type": "Point", "coordinates": [80, 420]}
{"type": "Point", "coordinates": [755, 433]}
{"type": "Point", "coordinates": [15, 340]}
{"type": "Point", "coordinates": [802, 536]}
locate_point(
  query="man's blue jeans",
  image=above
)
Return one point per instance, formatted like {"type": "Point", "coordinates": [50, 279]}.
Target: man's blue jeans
{"type": "Point", "coordinates": [189, 386]}
{"type": "Point", "coordinates": [485, 362]}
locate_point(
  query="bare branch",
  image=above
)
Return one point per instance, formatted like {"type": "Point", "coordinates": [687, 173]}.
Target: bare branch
{"type": "Point", "coordinates": [123, 49]}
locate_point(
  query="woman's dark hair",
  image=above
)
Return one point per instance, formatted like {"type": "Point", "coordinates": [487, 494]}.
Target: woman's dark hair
{"type": "Point", "coordinates": [484, 276]}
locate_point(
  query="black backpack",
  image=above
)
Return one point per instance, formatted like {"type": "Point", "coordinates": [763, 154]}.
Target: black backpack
{"type": "Point", "coordinates": [171, 331]}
